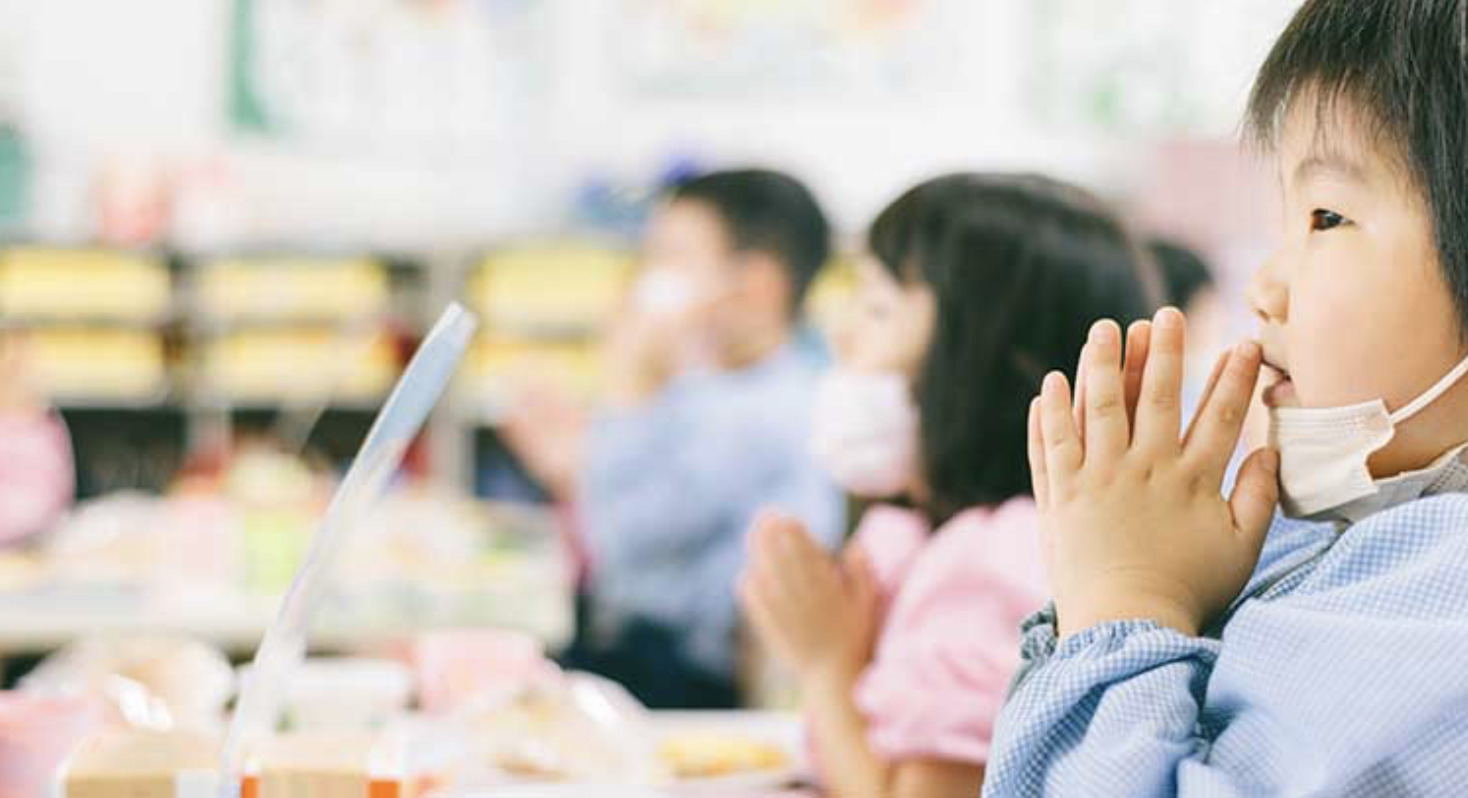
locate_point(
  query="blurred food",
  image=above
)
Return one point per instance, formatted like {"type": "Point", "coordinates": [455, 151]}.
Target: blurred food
{"type": "Point", "coordinates": [156, 683]}
{"type": "Point", "coordinates": [699, 755]}
{"type": "Point", "coordinates": [330, 694]}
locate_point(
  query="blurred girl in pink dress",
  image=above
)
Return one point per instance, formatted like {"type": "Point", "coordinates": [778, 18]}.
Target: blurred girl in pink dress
{"type": "Point", "coordinates": [973, 288]}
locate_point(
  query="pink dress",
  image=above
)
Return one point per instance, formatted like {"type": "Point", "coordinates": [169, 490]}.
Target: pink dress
{"type": "Point", "coordinates": [950, 636]}
{"type": "Point", "coordinates": [37, 476]}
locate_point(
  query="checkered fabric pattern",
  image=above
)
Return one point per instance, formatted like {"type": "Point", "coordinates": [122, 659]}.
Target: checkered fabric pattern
{"type": "Point", "coordinates": [1343, 671]}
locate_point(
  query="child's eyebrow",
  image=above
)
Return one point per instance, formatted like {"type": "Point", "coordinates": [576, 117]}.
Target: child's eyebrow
{"type": "Point", "coordinates": [1330, 164]}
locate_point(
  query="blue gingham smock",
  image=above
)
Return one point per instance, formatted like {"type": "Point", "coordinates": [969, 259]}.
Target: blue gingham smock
{"type": "Point", "coordinates": [1341, 671]}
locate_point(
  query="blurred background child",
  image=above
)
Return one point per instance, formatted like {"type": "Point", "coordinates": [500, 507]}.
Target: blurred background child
{"type": "Point", "coordinates": [706, 420]}
{"type": "Point", "coordinates": [974, 287]}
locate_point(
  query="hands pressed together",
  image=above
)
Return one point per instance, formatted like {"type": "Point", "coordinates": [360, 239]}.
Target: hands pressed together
{"type": "Point", "coordinates": [817, 613]}
{"type": "Point", "coordinates": [1133, 520]}
{"type": "Point", "coordinates": [1134, 523]}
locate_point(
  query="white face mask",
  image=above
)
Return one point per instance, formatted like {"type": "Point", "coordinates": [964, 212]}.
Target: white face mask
{"type": "Point", "coordinates": [864, 432]}
{"type": "Point", "coordinates": [664, 292]}
{"type": "Point", "coordinates": [1323, 452]}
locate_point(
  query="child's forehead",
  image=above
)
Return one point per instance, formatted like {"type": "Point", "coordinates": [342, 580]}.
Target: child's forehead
{"type": "Point", "coordinates": [1339, 137]}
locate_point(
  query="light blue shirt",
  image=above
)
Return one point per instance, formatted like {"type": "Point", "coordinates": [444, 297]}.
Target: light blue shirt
{"type": "Point", "coordinates": [669, 491]}
{"type": "Point", "coordinates": [1343, 671]}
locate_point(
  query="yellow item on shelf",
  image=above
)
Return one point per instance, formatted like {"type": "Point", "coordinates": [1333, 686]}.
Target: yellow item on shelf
{"type": "Point", "coordinates": [84, 363]}
{"type": "Point", "coordinates": [301, 362]}
{"type": "Point", "coordinates": [550, 288]}
{"type": "Point", "coordinates": [301, 288]}
{"type": "Point", "coordinates": [498, 362]}
{"type": "Point", "coordinates": [40, 282]}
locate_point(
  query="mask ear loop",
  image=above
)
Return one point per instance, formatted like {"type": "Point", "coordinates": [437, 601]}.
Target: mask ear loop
{"type": "Point", "coordinates": [1432, 394]}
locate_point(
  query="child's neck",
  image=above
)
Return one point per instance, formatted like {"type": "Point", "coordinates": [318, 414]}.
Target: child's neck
{"type": "Point", "coordinates": [1420, 441]}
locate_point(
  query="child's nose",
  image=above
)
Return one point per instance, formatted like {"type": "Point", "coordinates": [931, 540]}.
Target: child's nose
{"type": "Point", "coordinates": [1267, 295]}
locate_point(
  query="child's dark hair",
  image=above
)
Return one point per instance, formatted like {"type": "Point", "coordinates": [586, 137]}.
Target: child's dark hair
{"type": "Point", "coordinates": [770, 212]}
{"type": "Point", "coordinates": [1183, 272]}
{"type": "Point", "coordinates": [1020, 266]}
{"type": "Point", "coordinates": [1402, 65]}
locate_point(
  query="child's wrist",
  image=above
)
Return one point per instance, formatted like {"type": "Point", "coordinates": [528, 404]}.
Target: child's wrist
{"type": "Point", "coordinates": [830, 677]}
{"type": "Point", "coordinates": [1166, 613]}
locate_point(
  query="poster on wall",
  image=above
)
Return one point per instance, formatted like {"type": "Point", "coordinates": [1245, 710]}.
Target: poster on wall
{"type": "Point", "coordinates": [804, 49]}
{"type": "Point", "coordinates": [1149, 66]}
{"type": "Point", "coordinates": [431, 77]}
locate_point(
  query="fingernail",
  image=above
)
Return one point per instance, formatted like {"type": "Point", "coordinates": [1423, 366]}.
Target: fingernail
{"type": "Point", "coordinates": [1271, 461]}
{"type": "Point", "coordinates": [1103, 332]}
{"type": "Point", "coordinates": [1247, 349]}
{"type": "Point", "coordinates": [1168, 318]}
{"type": "Point", "coordinates": [1054, 381]}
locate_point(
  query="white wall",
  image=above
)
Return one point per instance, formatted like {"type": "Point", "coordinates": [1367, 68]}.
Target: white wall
{"type": "Point", "coordinates": [142, 82]}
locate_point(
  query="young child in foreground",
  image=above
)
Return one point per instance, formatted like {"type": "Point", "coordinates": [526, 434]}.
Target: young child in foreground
{"type": "Point", "coordinates": [1193, 648]}
{"type": "Point", "coordinates": [975, 287]}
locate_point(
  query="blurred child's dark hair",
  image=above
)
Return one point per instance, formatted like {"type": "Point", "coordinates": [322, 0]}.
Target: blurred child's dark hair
{"type": "Point", "coordinates": [1182, 271]}
{"type": "Point", "coordinates": [1402, 66]}
{"type": "Point", "coordinates": [770, 212]}
{"type": "Point", "coordinates": [1020, 266]}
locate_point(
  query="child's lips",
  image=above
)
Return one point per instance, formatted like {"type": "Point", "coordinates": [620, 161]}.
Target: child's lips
{"type": "Point", "coordinates": [1279, 390]}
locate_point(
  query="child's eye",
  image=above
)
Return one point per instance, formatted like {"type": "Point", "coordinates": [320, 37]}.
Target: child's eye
{"type": "Point", "coordinates": [1322, 220]}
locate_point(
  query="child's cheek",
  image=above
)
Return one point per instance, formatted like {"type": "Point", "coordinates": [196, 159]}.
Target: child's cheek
{"type": "Point", "coordinates": [1333, 341]}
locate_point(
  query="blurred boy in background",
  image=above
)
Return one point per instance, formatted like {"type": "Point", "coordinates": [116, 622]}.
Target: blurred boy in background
{"type": "Point", "coordinates": [37, 477]}
{"type": "Point", "coordinates": [706, 420]}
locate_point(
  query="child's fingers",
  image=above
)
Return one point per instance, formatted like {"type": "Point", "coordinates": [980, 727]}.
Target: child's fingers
{"type": "Point", "coordinates": [802, 567]}
{"type": "Point", "coordinates": [1215, 434]}
{"type": "Point", "coordinates": [1138, 341]}
{"type": "Point", "coordinates": [1256, 494]}
{"type": "Point", "coordinates": [860, 579]}
{"type": "Point", "coordinates": [746, 589]}
{"type": "Point", "coordinates": [854, 559]}
{"type": "Point", "coordinates": [1063, 450]}
{"type": "Point", "coordinates": [769, 563]}
{"type": "Point", "coordinates": [1078, 402]}
{"type": "Point", "coordinates": [775, 603]}
{"type": "Point", "coordinates": [1203, 399]}
{"type": "Point", "coordinates": [784, 545]}
{"type": "Point", "coordinates": [1106, 435]}
{"type": "Point", "coordinates": [1159, 406]}
{"type": "Point", "coordinates": [759, 540]}
{"type": "Point", "coordinates": [1039, 480]}
{"type": "Point", "coordinates": [761, 618]}
{"type": "Point", "coordinates": [803, 549]}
